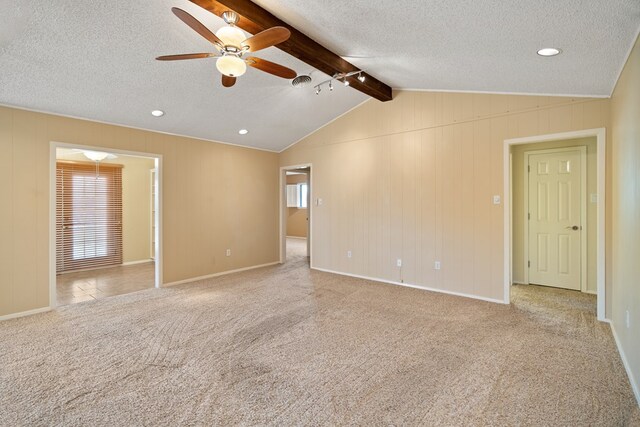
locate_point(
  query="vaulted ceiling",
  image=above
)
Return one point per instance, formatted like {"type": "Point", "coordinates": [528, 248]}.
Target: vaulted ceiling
{"type": "Point", "coordinates": [95, 60]}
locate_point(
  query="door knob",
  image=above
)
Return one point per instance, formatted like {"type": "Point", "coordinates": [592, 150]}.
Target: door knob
{"type": "Point", "coordinates": [573, 227]}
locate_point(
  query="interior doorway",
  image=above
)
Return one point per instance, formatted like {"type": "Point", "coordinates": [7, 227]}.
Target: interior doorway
{"type": "Point", "coordinates": [105, 223]}
{"type": "Point", "coordinates": [295, 213]}
{"type": "Point", "coordinates": [554, 213]}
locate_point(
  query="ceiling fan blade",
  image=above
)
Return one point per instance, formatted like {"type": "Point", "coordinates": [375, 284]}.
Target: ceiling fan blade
{"type": "Point", "coordinates": [271, 68]}
{"type": "Point", "coordinates": [267, 38]}
{"type": "Point", "coordinates": [185, 56]}
{"type": "Point", "coordinates": [197, 26]}
{"type": "Point", "coordinates": [228, 81]}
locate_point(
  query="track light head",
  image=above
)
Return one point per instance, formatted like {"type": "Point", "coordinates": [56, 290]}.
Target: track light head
{"type": "Point", "coordinates": [361, 77]}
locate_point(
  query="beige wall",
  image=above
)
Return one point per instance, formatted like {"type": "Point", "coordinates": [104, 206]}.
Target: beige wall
{"type": "Point", "coordinates": [413, 179]}
{"type": "Point", "coordinates": [625, 118]}
{"type": "Point", "coordinates": [136, 204]}
{"type": "Point", "coordinates": [204, 210]}
{"type": "Point", "coordinates": [136, 208]}
{"type": "Point", "coordinates": [519, 182]}
{"type": "Point", "coordinates": [297, 225]}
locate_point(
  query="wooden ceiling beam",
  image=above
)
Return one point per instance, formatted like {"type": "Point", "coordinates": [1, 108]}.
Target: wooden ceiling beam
{"type": "Point", "coordinates": [254, 19]}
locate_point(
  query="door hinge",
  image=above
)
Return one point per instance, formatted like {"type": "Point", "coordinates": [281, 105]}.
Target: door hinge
{"type": "Point", "coordinates": [528, 168]}
{"type": "Point", "coordinates": [529, 264]}
{"type": "Point", "coordinates": [529, 215]}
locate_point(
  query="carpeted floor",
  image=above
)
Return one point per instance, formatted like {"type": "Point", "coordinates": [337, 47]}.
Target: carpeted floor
{"type": "Point", "coordinates": [288, 346]}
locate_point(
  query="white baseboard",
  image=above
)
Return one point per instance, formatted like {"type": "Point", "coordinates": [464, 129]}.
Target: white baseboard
{"type": "Point", "coordinates": [518, 283]}
{"type": "Point", "coordinates": [222, 273]}
{"type": "Point", "coordinates": [590, 292]}
{"type": "Point", "coordinates": [25, 313]}
{"type": "Point", "coordinates": [634, 384]}
{"type": "Point", "coordinates": [296, 237]}
{"type": "Point", "coordinates": [408, 285]}
{"type": "Point", "coordinates": [142, 261]}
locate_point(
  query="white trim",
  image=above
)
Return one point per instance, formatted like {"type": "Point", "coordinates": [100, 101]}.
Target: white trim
{"type": "Point", "coordinates": [141, 261]}
{"type": "Point", "coordinates": [325, 125]}
{"type": "Point", "coordinates": [282, 188]}
{"type": "Point", "coordinates": [24, 313]}
{"type": "Point", "coordinates": [625, 362]}
{"type": "Point", "coordinates": [16, 107]}
{"type": "Point", "coordinates": [600, 134]}
{"type": "Point", "coordinates": [583, 208]}
{"type": "Point", "coordinates": [222, 273]}
{"type": "Point", "coordinates": [490, 92]}
{"type": "Point", "coordinates": [296, 237]}
{"type": "Point", "coordinates": [53, 145]}
{"type": "Point", "coordinates": [592, 293]}
{"type": "Point", "coordinates": [408, 285]}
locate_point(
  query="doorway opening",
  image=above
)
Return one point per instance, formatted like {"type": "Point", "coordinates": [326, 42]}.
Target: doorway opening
{"type": "Point", "coordinates": [295, 214]}
{"type": "Point", "coordinates": [105, 223]}
{"type": "Point", "coordinates": [554, 214]}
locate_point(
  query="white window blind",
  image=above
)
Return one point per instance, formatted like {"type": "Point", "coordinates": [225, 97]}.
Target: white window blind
{"type": "Point", "coordinates": [292, 196]}
{"type": "Point", "coordinates": [88, 215]}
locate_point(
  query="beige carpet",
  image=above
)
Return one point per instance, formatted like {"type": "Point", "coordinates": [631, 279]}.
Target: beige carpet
{"type": "Point", "coordinates": [288, 346]}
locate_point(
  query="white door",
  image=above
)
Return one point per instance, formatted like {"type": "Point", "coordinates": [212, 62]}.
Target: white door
{"type": "Point", "coordinates": [555, 217]}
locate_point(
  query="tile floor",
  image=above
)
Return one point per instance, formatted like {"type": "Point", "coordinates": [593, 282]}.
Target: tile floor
{"type": "Point", "coordinates": [105, 282]}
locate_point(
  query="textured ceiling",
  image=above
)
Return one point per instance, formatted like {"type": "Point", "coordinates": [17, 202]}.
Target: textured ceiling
{"type": "Point", "coordinates": [95, 60]}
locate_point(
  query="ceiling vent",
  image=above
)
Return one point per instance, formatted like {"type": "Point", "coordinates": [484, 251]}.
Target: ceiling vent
{"type": "Point", "coordinates": [301, 81]}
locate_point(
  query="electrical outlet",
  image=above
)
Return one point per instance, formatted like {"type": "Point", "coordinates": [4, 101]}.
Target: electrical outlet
{"type": "Point", "coordinates": [399, 262]}
{"type": "Point", "coordinates": [436, 265]}
{"type": "Point", "coordinates": [348, 254]}
{"type": "Point", "coordinates": [627, 319]}
{"type": "Point", "coordinates": [228, 252]}
{"type": "Point", "coordinates": [318, 202]}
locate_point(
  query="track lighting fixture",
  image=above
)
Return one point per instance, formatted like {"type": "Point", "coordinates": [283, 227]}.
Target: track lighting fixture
{"type": "Point", "coordinates": [340, 77]}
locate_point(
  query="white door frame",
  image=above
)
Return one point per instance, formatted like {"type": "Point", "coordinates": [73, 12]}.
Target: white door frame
{"type": "Point", "coordinates": [283, 208]}
{"type": "Point", "coordinates": [600, 134]}
{"type": "Point", "coordinates": [583, 209]}
{"type": "Point", "coordinates": [52, 209]}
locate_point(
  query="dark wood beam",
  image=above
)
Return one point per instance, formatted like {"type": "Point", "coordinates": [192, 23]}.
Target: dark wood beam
{"type": "Point", "coordinates": [254, 19]}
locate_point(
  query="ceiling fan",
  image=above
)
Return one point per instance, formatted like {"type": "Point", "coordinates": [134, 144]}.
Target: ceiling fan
{"type": "Point", "coordinates": [232, 44]}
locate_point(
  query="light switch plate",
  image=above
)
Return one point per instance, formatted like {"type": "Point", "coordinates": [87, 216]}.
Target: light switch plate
{"type": "Point", "coordinates": [496, 200]}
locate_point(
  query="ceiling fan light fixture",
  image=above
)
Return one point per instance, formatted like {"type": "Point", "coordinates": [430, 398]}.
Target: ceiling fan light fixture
{"type": "Point", "coordinates": [231, 66]}
{"type": "Point", "coordinates": [231, 36]}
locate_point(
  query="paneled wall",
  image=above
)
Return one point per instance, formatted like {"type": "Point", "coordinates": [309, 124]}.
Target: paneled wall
{"type": "Point", "coordinates": [413, 179]}
{"type": "Point", "coordinates": [207, 206]}
{"type": "Point", "coordinates": [625, 117]}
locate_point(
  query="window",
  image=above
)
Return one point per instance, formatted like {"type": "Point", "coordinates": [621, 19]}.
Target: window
{"type": "Point", "coordinates": [297, 195]}
{"type": "Point", "coordinates": [88, 216]}
{"type": "Point", "coordinates": [302, 195]}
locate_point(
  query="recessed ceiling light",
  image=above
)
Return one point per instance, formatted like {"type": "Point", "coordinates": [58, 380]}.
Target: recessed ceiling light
{"type": "Point", "coordinates": [243, 131]}
{"type": "Point", "coordinates": [549, 51]}
{"type": "Point", "coordinates": [157, 113]}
